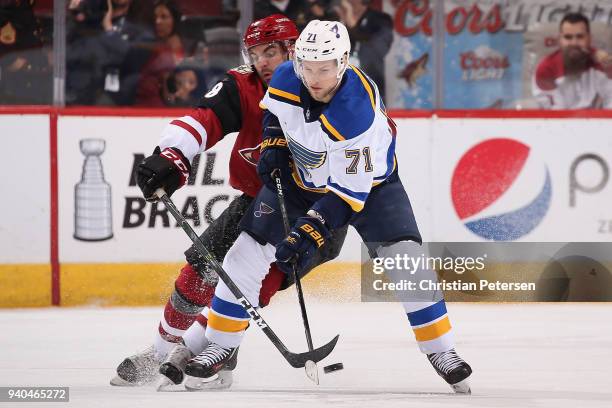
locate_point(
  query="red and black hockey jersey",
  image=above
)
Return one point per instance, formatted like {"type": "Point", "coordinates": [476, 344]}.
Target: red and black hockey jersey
{"type": "Point", "coordinates": [232, 105]}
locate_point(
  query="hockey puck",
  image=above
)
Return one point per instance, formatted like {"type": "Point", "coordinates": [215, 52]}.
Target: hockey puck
{"type": "Point", "coordinates": [333, 367]}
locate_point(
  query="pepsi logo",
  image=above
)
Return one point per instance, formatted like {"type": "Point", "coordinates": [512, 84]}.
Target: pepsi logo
{"type": "Point", "coordinates": [500, 190]}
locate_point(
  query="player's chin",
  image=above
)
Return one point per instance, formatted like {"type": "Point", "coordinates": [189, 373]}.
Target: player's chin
{"type": "Point", "coordinates": [318, 94]}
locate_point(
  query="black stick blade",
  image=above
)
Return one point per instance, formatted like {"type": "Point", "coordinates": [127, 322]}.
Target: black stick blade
{"type": "Point", "coordinates": [316, 355]}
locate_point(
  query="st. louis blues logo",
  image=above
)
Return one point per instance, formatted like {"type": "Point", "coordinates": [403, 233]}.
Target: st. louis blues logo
{"type": "Point", "coordinates": [305, 158]}
{"type": "Point", "coordinates": [264, 209]}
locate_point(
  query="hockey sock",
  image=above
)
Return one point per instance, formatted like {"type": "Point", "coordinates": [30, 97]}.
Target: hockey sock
{"type": "Point", "coordinates": [190, 296]}
{"type": "Point", "coordinates": [194, 337]}
{"type": "Point", "coordinates": [431, 326]}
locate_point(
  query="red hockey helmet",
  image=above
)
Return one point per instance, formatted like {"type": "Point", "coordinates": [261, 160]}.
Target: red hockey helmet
{"type": "Point", "coordinates": [269, 29]}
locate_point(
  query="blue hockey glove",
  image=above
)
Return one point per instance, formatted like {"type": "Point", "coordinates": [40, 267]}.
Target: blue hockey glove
{"type": "Point", "coordinates": [305, 238]}
{"type": "Point", "coordinates": [274, 155]}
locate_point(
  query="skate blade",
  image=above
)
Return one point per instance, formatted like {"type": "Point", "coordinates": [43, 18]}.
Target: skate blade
{"type": "Point", "coordinates": [165, 385]}
{"type": "Point", "coordinates": [312, 371]}
{"type": "Point", "coordinates": [462, 387]}
{"type": "Point", "coordinates": [120, 382]}
{"type": "Point", "coordinates": [220, 381]}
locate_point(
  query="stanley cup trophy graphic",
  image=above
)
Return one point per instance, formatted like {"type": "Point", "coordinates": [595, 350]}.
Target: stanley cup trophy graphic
{"type": "Point", "coordinates": [92, 196]}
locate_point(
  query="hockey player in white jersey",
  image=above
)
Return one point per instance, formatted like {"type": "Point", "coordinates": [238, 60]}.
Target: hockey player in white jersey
{"type": "Point", "coordinates": [326, 130]}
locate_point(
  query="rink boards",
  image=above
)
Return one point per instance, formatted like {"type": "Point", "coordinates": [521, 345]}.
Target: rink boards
{"type": "Point", "coordinates": [111, 247]}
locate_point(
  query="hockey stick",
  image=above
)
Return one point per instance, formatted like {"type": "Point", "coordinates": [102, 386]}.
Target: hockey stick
{"type": "Point", "coordinates": [311, 367]}
{"type": "Point", "coordinates": [296, 360]}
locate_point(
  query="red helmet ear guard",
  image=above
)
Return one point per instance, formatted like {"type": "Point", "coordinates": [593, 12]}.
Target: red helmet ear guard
{"type": "Point", "coordinates": [269, 29]}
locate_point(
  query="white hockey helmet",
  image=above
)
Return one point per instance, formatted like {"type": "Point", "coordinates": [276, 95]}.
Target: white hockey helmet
{"type": "Point", "coordinates": [322, 41]}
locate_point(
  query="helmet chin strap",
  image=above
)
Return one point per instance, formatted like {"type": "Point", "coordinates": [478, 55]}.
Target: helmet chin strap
{"type": "Point", "coordinates": [342, 65]}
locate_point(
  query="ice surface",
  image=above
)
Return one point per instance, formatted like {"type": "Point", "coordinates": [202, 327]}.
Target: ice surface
{"type": "Point", "coordinates": [536, 355]}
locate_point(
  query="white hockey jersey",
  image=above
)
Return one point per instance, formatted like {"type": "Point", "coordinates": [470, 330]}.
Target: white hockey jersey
{"type": "Point", "coordinates": [346, 147]}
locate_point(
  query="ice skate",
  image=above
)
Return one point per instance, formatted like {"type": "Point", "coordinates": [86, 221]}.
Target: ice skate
{"type": "Point", "coordinates": [140, 369]}
{"type": "Point", "coordinates": [173, 367]}
{"type": "Point", "coordinates": [453, 369]}
{"type": "Point", "coordinates": [211, 369]}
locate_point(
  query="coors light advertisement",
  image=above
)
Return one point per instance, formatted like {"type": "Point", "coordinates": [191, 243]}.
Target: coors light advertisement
{"type": "Point", "coordinates": [491, 48]}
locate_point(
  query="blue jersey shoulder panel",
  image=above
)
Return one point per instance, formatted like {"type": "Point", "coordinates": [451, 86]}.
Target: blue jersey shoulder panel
{"type": "Point", "coordinates": [285, 85]}
{"type": "Point", "coordinates": [351, 110]}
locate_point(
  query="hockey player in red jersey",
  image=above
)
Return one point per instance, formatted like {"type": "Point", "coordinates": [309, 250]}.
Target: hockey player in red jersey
{"type": "Point", "coordinates": [232, 105]}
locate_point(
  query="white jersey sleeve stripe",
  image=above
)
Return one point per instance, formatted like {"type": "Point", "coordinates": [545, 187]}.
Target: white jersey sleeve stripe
{"type": "Point", "coordinates": [196, 125]}
{"type": "Point", "coordinates": [180, 138]}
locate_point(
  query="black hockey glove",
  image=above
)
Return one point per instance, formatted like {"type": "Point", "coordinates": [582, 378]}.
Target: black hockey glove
{"type": "Point", "coordinates": [306, 237]}
{"type": "Point", "coordinates": [274, 155]}
{"type": "Point", "coordinates": [168, 169]}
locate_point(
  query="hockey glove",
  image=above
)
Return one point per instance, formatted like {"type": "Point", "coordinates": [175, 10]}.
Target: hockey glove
{"type": "Point", "coordinates": [306, 237]}
{"type": "Point", "coordinates": [274, 155]}
{"type": "Point", "coordinates": [168, 169]}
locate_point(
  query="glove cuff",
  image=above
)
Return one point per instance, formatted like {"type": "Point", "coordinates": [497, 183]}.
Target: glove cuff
{"type": "Point", "coordinates": [273, 142]}
{"type": "Point", "coordinates": [312, 229]}
{"type": "Point", "coordinates": [176, 157]}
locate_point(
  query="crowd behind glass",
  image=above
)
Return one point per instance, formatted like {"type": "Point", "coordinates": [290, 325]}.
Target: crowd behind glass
{"type": "Point", "coordinates": [165, 53]}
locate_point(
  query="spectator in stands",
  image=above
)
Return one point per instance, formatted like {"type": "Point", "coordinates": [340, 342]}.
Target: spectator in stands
{"type": "Point", "coordinates": [296, 10]}
{"type": "Point", "coordinates": [317, 10]}
{"type": "Point", "coordinates": [127, 45]}
{"type": "Point", "coordinates": [371, 33]}
{"type": "Point", "coordinates": [186, 84]}
{"type": "Point", "coordinates": [105, 50]}
{"type": "Point", "coordinates": [170, 50]}
{"type": "Point", "coordinates": [84, 52]}
{"type": "Point", "coordinates": [573, 77]}
{"type": "Point", "coordinates": [25, 65]}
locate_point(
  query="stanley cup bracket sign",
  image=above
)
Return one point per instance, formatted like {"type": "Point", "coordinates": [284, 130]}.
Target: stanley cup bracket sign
{"type": "Point", "coordinates": [92, 196]}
